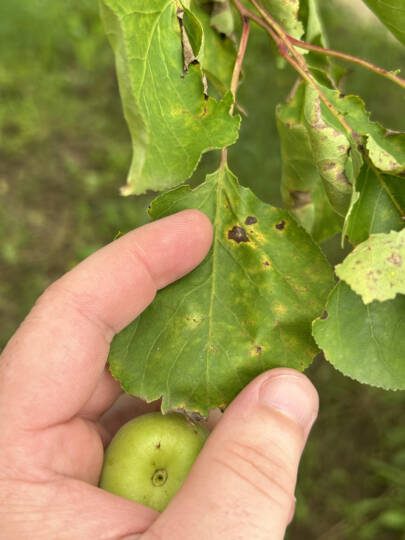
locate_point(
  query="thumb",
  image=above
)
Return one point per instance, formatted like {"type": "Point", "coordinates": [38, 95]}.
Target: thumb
{"type": "Point", "coordinates": [242, 484]}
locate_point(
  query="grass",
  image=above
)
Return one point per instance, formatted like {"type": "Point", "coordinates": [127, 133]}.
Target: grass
{"type": "Point", "coordinates": [64, 152]}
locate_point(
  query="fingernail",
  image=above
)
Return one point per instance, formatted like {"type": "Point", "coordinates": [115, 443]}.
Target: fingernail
{"type": "Point", "coordinates": [292, 395]}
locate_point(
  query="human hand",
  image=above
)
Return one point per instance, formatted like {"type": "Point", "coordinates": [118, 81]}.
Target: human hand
{"type": "Point", "coordinates": [57, 412]}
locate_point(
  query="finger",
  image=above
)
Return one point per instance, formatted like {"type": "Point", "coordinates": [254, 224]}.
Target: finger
{"type": "Point", "coordinates": [242, 484]}
{"type": "Point", "coordinates": [67, 509]}
{"type": "Point", "coordinates": [105, 394]}
{"type": "Point", "coordinates": [51, 366]}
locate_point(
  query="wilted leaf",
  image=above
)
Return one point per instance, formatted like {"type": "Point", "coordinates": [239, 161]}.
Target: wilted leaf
{"type": "Point", "coordinates": [376, 268]}
{"type": "Point", "coordinates": [248, 307]}
{"type": "Point", "coordinates": [392, 14]}
{"type": "Point", "coordinates": [331, 151]}
{"type": "Point", "coordinates": [364, 342]}
{"type": "Point", "coordinates": [171, 120]}
{"type": "Point", "coordinates": [302, 185]}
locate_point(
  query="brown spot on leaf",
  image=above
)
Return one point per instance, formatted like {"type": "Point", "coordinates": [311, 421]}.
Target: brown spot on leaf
{"type": "Point", "coordinates": [256, 350]}
{"type": "Point", "coordinates": [280, 225]}
{"type": "Point", "coordinates": [300, 198]}
{"type": "Point", "coordinates": [238, 234]}
{"type": "Point", "coordinates": [266, 263]}
{"type": "Point", "coordinates": [250, 220]}
{"type": "Point", "coordinates": [324, 315]}
{"type": "Point", "coordinates": [395, 258]}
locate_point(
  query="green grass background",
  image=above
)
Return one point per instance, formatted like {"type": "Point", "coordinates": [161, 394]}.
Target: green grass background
{"type": "Point", "coordinates": [64, 152]}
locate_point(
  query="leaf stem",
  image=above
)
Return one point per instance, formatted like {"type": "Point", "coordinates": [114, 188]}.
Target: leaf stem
{"type": "Point", "coordinates": [349, 58]}
{"type": "Point", "coordinates": [290, 54]}
{"type": "Point", "coordinates": [236, 74]}
{"type": "Point", "coordinates": [239, 58]}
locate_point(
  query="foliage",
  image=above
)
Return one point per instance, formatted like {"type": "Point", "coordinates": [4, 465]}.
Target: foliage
{"type": "Point", "coordinates": [249, 288]}
{"type": "Point", "coordinates": [340, 171]}
{"type": "Point", "coordinates": [63, 152]}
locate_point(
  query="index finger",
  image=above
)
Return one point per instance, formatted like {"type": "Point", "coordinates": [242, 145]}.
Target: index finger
{"type": "Point", "coordinates": [51, 365]}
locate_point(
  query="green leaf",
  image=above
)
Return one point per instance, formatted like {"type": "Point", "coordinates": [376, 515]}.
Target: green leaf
{"type": "Point", "coordinates": [314, 33]}
{"type": "Point", "coordinates": [222, 17]}
{"type": "Point", "coordinates": [392, 14]}
{"type": "Point", "coordinates": [219, 54]}
{"type": "Point", "coordinates": [286, 13]}
{"type": "Point", "coordinates": [378, 204]}
{"type": "Point", "coordinates": [248, 307]}
{"type": "Point", "coordinates": [171, 119]}
{"type": "Point", "coordinates": [364, 342]}
{"type": "Point", "coordinates": [302, 185]}
{"type": "Point", "coordinates": [376, 268]}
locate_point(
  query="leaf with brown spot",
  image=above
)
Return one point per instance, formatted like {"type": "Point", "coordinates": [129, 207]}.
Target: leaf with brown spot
{"type": "Point", "coordinates": [252, 303]}
{"type": "Point", "coordinates": [160, 49]}
{"type": "Point", "coordinates": [376, 268]}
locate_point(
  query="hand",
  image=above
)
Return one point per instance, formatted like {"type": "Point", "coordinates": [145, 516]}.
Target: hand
{"type": "Point", "coordinates": [57, 411]}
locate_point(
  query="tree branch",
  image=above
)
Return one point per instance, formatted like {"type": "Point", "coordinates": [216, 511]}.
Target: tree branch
{"type": "Point", "coordinates": [349, 58]}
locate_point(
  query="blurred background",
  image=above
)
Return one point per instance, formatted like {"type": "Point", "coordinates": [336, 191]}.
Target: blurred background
{"type": "Point", "coordinates": [64, 153]}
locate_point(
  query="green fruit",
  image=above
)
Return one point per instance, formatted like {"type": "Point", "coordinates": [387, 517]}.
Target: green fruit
{"type": "Point", "coordinates": [149, 458]}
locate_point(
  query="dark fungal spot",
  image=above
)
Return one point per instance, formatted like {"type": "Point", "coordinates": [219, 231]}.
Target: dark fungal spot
{"type": "Point", "coordinates": [266, 263]}
{"type": "Point", "coordinates": [238, 234]}
{"type": "Point", "coordinates": [280, 225]}
{"type": "Point", "coordinates": [324, 315]}
{"type": "Point", "coordinates": [250, 220]}
{"type": "Point", "coordinates": [300, 198]}
{"type": "Point", "coordinates": [258, 349]}
{"type": "Point", "coordinates": [395, 258]}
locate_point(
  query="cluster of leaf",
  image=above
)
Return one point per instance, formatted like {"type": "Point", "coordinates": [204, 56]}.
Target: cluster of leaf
{"type": "Point", "coordinates": [250, 305]}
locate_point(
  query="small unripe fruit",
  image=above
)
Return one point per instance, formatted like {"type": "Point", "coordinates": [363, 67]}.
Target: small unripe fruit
{"type": "Point", "coordinates": [149, 458]}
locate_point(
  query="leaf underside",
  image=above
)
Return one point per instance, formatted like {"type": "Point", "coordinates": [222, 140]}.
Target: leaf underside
{"type": "Point", "coordinates": [364, 342]}
{"type": "Point", "coordinates": [162, 84]}
{"type": "Point", "coordinates": [248, 307]}
{"type": "Point", "coordinates": [376, 268]}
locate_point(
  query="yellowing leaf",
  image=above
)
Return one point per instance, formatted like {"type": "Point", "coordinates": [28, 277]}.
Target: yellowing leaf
{"type": "Point", "coordinates": [376, 268]}
{"type": "Point", "coordinates": [171, 119]}
{"type": "Point", "coordinates": [248, 307]}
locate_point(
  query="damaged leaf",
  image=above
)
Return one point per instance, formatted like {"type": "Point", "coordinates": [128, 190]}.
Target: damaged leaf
{"type": "Point", "coordinates": [376, 268]}
{"type": "Point", "coordinates": [302, 185]}
{"type": "Point", "coordinates": [171, 120]}
{"type": "Point", "coordinates": [248, 307]}
{"type": "Point", "coordinates": [218, 54]}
